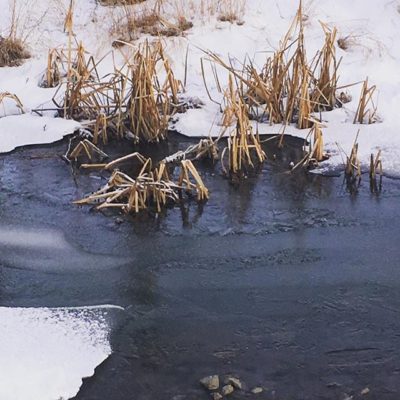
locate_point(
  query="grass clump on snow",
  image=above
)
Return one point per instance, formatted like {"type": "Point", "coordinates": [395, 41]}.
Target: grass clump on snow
{"type": "Point", "coordinates": [12, 52]}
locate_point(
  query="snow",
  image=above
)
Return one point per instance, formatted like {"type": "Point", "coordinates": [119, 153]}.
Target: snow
{"type": "Point", "coordinates": [374, 52]}
{"type": "Point", "coordinates": [45, 352]}
{"type": "Point", "coordinates": [19, 130]}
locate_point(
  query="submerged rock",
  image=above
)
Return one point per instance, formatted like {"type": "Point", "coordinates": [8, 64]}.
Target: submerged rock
{"type": "Point", "coordinates": [210, 382]}
{"type": "Point", "coordinates": [227, 390]}
{"type": "Point", "coordinates": [235, 382]}
{"type": "Point", "coordinates": [257, 390]}
{"type": "Point", "coordinates": [216, 396]}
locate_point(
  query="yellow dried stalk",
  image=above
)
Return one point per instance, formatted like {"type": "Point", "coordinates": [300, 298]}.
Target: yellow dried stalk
{"type": "Point", "coordinates": [316, 153]}
{"type": "Point", "coordinates": [146, 162]}
{"type": "Point", "coordinates": [14, 98]}
{"type": "Point", "coordinates": [100, 129]}
{"type": "Point", "coordinates": [353, 165]}
{"type": "Point", "coordinates": [305, 107]}
{"type": "Point", "coordinates": [289, 88]}
{"type": "Point", "coordinates": [149, 105]}
{"type": "Point", "coordinates": [189, 171]}
{"type": "Point", "coordinates": [53, 75]}
{"type": "Point", "coordinates": [88, 148]}
{"type": "Point", "coordinates": [366, 111]}
{"type": "Point", "coordinates": [327, 82]}
{"type": "Point", "coordinates": [375, 165]}
{"type": "Point", "coordinates": [149, 188]}
{"type": "Point", "coordinates": [241, 142]}
{"type": "Point", "coordinates": [205, 149]}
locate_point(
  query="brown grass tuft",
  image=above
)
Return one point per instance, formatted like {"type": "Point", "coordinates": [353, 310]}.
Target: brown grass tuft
{"type": "Point", "coordinates": [12, 52]}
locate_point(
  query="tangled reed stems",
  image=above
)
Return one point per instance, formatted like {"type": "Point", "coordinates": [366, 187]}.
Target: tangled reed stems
{"type": "Point", "coordinates": [131, 101]}
{"type": "Point", "coordinates": [289, 88]}
{"type": "Point", "coordinates": [152, 188]}
{"type": "Point", "coordinates": [367, 110]}
{"type": "Point", "coordinates": [243, 146]}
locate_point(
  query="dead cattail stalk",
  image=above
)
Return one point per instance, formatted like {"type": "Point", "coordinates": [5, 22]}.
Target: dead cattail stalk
{"type": "Point", "coordinates": [366, 111]}
{"type": "Point", "coordinates": [189, 171]}
{"type": "Point", "coordinates": [88, 148]}
{"type": "Point", "coordinates": [375, 165]}
{"type": "Point", "coordinates": [242, 142]}
{"type": "Point", "coordinates": [353, 165]}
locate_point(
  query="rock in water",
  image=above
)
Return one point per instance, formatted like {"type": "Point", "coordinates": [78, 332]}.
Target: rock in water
{"type": "Point", "coordinates": [235, 382]}
{"type": "Point", "coordinates": [227, 390]}
{"type": "Point", "coordinates": [257, 390]}
{"type": "Point", "coordinates": [210, 382]}
{"type": "Point", "coordinates": [216, 396]}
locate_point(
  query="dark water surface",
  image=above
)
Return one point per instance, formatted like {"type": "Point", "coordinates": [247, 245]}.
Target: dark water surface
{"type": "Point", "coordinates": [287, 281]}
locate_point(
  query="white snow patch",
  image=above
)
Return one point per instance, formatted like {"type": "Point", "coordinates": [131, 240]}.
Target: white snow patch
{"type": "Point", "coordinates": [45, 352]}
{"type": "Point", "coordinates": [20, 130]}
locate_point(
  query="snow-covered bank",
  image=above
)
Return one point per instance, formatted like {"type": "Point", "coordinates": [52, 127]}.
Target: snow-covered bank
{"type": "Point", "coordinates": [374, 51]}
{"type": "Point", "coordinates": [370, 28]}
{"type": "Point", "coordinates": [25, 129]}
{"type": "Point", "coordinates": [45, 353]}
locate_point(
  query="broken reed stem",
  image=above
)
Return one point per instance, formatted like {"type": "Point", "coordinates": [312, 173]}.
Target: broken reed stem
{"type": "Point", "coordinates": [367, 110]}
{"type": "Point", "coordinates": [375, 165]}
{"type": "Point", "coordinates": [151, 188]}
{"type": "Point", "coordinates": [353, 165]}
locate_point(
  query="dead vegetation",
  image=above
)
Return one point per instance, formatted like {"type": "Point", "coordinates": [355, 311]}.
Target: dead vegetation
{"type": "Point", "coordinates": [13, 98]}
{"type": "Point", "coordinates": [375, 165]}
{"type": "Point", "coordinates": [289, 88]}
{"type": "Point", "coordinates": [151, 189]}
{"type": "Point", "coordinates": [130, 102]}
{"type": "Point", "coordinates": [131, 22]}
{"type": "Point", "coordinates": [244, 147]}
{"type": "Point", "coordinates": [12, 52]}
{"type": "Point", "coordinates": [367, 110]}
{"type": "Point", "coordinates": [353, 164]}
{"type": "Point", "coordinates": [231, 11]}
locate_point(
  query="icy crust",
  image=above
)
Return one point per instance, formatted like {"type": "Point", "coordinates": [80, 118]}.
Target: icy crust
{"type": "Point", "coordinates": [45, 352]}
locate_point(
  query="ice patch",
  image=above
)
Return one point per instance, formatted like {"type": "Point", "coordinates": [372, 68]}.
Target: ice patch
{"type": "Point", "coordinates": [45, 353]}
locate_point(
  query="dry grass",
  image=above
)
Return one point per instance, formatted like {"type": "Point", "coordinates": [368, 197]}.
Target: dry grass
{"type": "Point", "coordinates": [6, 95]}
{"type": "Point", "coordinates": [289, 88]}
{"type": "Point", "coordinates": [119, 2]}
{"type": "Point", "coordinates": [130, 22]}
{"type": "Point", "coordinates": [375, 166]}
{"type": "Point", "coordinates": [367, 109]}
{"type": "Point", "coordinates": [232, 11]}
{"type": "Point", "coordinates": [244, 147]}
{"type": "Point", "coordinates": [131, 101]}
{"type": "Point", "coordinates": [151, 189]}
{"type": "Point", "coordinates": [353, 164]}
{"type": "Point", "coordinates": [12, 52]}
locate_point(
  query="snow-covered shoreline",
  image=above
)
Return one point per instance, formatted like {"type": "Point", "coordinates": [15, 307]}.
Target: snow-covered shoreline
{"type": "Point", "coordinates": [45, 352]}
{"type": "Point", "coordinates": [374, 52]}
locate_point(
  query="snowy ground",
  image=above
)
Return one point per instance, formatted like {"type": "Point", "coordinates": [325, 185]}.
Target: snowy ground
{"type": "Point", "coordinates": [374, 52]}
{"type": "Point", "coordinates": [68, 341]}
{"type": "Point", "coordinates": [52, 349]}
